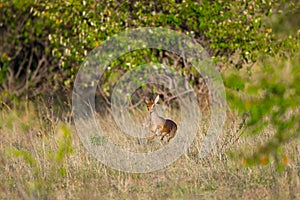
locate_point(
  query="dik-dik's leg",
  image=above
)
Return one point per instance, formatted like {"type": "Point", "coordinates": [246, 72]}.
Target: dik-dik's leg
{"type": "Point", "coordinates": [171, 135]}
{"type": "Point", "coordinates": [162, 137]}
{"type": "Point", "coordinates": [151, 137]}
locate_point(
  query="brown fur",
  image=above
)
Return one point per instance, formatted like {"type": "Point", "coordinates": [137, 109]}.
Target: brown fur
{"type": "Point", "coordinates": [169, 129]}
{"type": "Point", "coordinates": [164, 127]}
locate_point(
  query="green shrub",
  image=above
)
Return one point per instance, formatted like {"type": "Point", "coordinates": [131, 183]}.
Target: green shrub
{"type": "Point", "coordinates": [55, 37]}
{"type": "Point", "coordinates": [271, 97]}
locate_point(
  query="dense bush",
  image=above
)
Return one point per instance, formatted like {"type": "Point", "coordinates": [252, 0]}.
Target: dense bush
{"type": "Point", "coordinates": [25, 57]}
{"type": "Point", "coordinates": [44, 42]}
{"type": "Point", "coordinates": [270, 95]}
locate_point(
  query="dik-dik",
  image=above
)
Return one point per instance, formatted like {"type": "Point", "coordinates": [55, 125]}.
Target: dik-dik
{"type": "Point", "coordinates": [159, 125]}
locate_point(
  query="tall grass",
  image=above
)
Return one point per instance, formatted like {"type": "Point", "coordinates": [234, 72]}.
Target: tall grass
{"type": "Point", "coordinates": [41, 157]}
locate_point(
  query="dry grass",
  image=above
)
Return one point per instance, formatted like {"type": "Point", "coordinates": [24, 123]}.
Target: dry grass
{"type": "Point", "coordinates": [42, 158]}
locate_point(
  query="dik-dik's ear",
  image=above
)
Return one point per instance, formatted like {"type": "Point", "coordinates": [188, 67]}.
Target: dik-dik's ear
{"type": "Point", "coordinates": [156, 99]}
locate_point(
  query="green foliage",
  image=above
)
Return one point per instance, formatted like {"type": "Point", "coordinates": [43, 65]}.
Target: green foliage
{"type": "Point", "coordinates": [26, 155]}
{"type": "Point", "coordinates": [98, 140]}
{"type": "Point", "coordinates": [271, 97]}
{"type": "Point", "coordinates": [235, 82]}
{"type": "Point", "coordinates": [65, 144]}
{"type": "Point", "coordinates": [66, 31]}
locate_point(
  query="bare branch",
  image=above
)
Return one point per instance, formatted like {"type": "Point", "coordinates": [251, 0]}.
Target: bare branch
{"type": "Point", "coordinates": [20, 69]}
{"type": "Point", "coordinates": [131, 106]}
{"type": "Point", "coordinates": [178, 95]}
{"type": "Point", "coordinates": [37, 70]}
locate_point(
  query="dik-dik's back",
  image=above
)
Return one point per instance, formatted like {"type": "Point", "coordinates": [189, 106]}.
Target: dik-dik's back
{"type": "Point", "coordinates": [158, 125]}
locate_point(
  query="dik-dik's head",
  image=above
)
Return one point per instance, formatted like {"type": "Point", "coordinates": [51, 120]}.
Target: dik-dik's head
{"type": "Point", "coordinates": [151, 104]}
